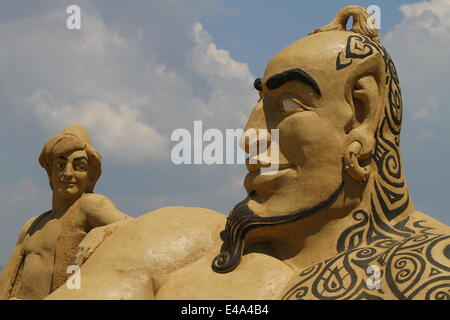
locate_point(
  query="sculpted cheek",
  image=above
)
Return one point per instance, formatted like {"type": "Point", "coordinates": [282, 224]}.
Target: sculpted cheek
{"type": "Point", "coordinates": [81, 177]}
{"type": "Point", "coordinates": [305, 134]}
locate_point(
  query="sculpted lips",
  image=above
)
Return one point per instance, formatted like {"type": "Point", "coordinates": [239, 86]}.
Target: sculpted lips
{"type": "Point", "coordinates": [256, 178]}
{"type": "Point", "coordinates": [67, 183]}
{"type": "Point", "coordinates": [256, 167]}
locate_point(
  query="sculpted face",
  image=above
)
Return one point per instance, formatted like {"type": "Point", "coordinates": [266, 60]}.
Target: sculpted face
{"type": "Point", "coordinates": [313, 119]}
{"type": "Point", "coordinates": [326, 116]}
{"type": "Point", "coordinates": [70, 174]}
{"type": "Point", "coordinates": [72, 164]}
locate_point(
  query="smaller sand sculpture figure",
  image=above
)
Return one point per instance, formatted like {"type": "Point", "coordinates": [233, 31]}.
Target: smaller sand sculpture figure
{"type": "Point", "coordinates": [49, 243]}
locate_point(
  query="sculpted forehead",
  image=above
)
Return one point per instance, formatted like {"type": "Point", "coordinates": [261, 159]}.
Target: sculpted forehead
{"type": "Point", "coordinates": [71, 155]}
{"type": "Point", "coordinates": [315, 54]}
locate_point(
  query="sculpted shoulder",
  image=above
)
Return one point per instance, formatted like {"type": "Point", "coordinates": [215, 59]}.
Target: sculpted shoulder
{"type": "Point", "coordinates": [26, 228]}
{"type": "Point", "coordinates": [436, 225]}
{"type": "Point", "coordinates": [30, 224]}
{"type": "Point", "coordinates": [181, 226]}
{"type": "Point", "coordinates": [99, 210]}
{"type": "Point", "coordinates": [91, 202]}
{"type": "Point", "coordinates": [412, 267]}
{"type": "Point", "coordinates": [419, 267]}
{"type": "Point", "coordinates": [160, 242]}
{"type": "Point", "coordinates": [195, 217]}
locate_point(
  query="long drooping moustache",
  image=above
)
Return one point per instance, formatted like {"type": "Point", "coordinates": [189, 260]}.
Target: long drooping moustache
{"type": "Point", "coordinates": [242, 219]}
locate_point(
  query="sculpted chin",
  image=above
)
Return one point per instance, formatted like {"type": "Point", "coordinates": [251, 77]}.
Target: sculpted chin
{"type": "Point", "coordinates": [338, 204]}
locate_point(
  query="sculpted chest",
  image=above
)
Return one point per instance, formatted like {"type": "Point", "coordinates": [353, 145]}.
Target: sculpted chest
{"type": "Point", "coordinates": [41, 239]}
{"type": "Point", "coordinates": [43, 235]}
{"type": "Point", "coordinates": [257, 277]}
{"type": "Point", "coordinates": [35, 271]}
{"type": "Point", "coordinates": [45, 251]}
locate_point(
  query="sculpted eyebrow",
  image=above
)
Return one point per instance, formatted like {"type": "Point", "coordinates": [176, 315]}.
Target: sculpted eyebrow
{"type": "Point", "coordinates": [80, 158]}
{"type": "Point", "coordinates": [62, 157]}
{"type": "Point", "coordinates": [281, 78]}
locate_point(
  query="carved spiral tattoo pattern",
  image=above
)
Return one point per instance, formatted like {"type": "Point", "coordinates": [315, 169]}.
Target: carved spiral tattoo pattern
{"type": "Point", "coordinates": [409, 269]}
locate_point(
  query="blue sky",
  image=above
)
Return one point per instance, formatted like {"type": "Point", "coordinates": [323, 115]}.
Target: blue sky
{"type": "Point", "coordinates": [136, 72]}
{"type": "Point", "coordinates": [245, 27]}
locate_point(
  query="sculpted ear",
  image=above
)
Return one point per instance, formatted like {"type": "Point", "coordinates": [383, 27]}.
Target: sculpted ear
{"type": "Point", "coordinates": [361, 138]}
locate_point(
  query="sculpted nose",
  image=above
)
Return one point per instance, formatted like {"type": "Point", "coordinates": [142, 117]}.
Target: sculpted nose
{"type": "Point", "coordinates": [261, 142]}
{"type": "Point", "coordinates": [257, 140]}
{"type": "Point", "coordinates": [256, 130]}
{"type": "Point", "coordinates": [68, 171]}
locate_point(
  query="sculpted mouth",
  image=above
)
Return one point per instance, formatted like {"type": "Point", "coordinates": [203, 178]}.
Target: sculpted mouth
{"type": "Point", "coordinates": [257, 167]}
{"type": "Point", "coordinates": [68, 183]}
{"type": "Point", "coordinates": [256, 178]}
{"type": "Point", "coordinates": [274, 168]}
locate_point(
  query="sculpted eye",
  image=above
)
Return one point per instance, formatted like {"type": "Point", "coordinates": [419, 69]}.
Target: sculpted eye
{"type": "Point", "coordinates": [81, 167]}
{"type": "Point", "coordinates": [60, 165]}
{"type": "Point", "coordinates": [289, 105]}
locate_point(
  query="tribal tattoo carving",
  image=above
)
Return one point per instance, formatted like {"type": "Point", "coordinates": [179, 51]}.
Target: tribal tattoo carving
{"type": "Point", "coordinates": [390, 196]}
{"type": "Point", "coordinates": [408, 254]}
{"type": "Point", "coordinates": [357, 48]}
{"type": "Point", "coordinates": [409, 269]}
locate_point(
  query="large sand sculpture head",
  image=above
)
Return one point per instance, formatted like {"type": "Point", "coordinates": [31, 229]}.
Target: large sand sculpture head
{"type": "Point", "coordinates": [335, 98]}
{"type": "Point", "coordinates": [71, 162]}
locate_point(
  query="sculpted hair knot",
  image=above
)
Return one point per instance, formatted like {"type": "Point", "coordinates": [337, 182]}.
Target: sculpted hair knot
{"type": "Point", "coordinates": [364, 22]}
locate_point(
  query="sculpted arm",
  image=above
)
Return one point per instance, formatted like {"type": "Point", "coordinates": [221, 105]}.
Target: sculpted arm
{"type": "Point", "coordinates": [140, 257]}
{"type": "Point", "coordinates": [103, 218]}
{"type": "Point", "coordinates": [11, 268]}
{"type": "Point", "coordinates": [101, 211]}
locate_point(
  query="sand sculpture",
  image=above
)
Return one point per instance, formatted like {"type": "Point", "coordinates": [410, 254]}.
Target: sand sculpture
{"type": "Point", "coordinates": [336, 222]}
{"type": "Point", "coordinates": [48, 244]}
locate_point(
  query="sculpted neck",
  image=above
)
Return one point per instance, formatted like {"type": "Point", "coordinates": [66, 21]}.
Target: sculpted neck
{"type": "Point", "coordinates": [360, 216]}
{"type": "Point", "coordinates": [61, 204]}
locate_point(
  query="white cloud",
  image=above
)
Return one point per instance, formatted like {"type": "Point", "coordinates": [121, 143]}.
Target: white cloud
{"type": "Point", "coordinates": [428, 112]}
{"type": "Point", "coordinates": [210, 61]}
{"type": "Point", "coordinates": [420, 46]}
{"type": "Point", "coordinates": [131, 78]}
{"type": "Point", "coordinates": [232, 95]}
{"type": "Point", "coordinates": [119, 132]}
{"type": "Point", "coordinates": [129, 99]}
{"type": "Point", "coordinates": [430, 14]}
